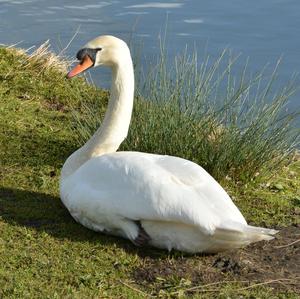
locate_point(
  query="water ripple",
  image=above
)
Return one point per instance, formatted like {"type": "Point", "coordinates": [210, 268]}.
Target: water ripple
{"type": "Point", "coordinates": [89, 6]}
{"type": "Point", "coordinates": [193, 21]}
{"type": "Point", "coordinates": [132, 13]}
{"type": "Point", "coordinates": [156, 5]}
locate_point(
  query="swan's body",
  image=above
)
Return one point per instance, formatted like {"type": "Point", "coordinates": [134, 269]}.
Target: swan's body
{"type": "Point", "coordinates": [167, 201]}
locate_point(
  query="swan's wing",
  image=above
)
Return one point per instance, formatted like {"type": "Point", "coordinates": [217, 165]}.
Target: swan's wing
{"type": "Point", "coordinates": [149, 187]}
{"type": "Point", "coordinates": [209, 196]}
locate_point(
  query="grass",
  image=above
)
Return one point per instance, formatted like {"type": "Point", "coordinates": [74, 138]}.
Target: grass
{"type": "Point", "coordinates": [43, 252]}
{"type": "Point", "coordinates": [231, 125]}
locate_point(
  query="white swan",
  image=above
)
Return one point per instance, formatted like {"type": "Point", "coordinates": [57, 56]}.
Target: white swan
{"type": "Point", "coordinates": [165, 201]}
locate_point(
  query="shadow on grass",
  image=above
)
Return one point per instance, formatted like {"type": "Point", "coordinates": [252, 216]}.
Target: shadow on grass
{"type": "Point", "coordinates": [46, 213]}
{"type": "Point", "coordinates": [32, 149]}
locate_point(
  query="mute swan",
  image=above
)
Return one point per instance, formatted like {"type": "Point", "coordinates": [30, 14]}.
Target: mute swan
{"type": "Point", "coordinates": [163, 201]}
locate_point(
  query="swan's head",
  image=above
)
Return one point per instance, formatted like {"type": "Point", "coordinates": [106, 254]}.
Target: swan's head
{"type": "Point", "coordinates": [103, 50]}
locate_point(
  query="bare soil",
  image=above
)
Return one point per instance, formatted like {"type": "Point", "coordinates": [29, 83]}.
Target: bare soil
{"type": "Point", "coordinates": [275, 263]}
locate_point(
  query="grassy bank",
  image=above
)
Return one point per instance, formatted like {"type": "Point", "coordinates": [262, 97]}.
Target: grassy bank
{"type": "Point", "coordinates": [45, 254]}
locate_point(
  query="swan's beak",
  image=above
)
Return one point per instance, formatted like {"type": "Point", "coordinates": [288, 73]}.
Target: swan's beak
{"type": "Point", "coordinates": [84, 64]}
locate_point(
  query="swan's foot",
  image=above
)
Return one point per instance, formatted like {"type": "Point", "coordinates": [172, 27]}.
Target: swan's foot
{"type": "Point", "coordinates": [143, 238]}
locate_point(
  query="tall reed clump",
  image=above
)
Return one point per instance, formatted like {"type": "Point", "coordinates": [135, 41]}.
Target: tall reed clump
{"type": "Point", "coordinates": [232, 125]}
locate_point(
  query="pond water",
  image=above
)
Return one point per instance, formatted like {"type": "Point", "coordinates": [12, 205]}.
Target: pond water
{"type": "Point", "coordinates": [263, 30]}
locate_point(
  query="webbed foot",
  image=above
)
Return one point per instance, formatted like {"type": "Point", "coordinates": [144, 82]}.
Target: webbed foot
{"type": "Point", "coordinates": [143, 238]}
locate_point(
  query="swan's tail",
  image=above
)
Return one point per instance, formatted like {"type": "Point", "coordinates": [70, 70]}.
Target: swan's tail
{"type": "Point", "coordinates": [225, 238]}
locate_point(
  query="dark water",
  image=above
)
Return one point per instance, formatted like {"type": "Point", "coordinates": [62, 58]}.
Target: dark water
{"type": "Point", "coordinates": [263, 30]}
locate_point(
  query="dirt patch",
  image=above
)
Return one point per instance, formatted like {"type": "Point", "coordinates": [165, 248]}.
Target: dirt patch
{"type": "Point", "coordinates": [55, 105]}
{"type": "Point", "coordinates": [276, 263]}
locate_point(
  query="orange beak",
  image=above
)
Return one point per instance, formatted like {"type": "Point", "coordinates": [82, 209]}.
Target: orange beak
{"type": "Point", "coordinates": [85, 64]}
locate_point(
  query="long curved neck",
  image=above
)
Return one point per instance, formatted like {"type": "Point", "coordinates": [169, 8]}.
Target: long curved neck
{"type": "Point", "coordinates": [115, 125]}
{"type": "Point", "coordinates": [116, 122]}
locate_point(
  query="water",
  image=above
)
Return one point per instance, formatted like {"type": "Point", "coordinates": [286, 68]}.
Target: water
{"type": "Point", "coordinates": [263, 30]}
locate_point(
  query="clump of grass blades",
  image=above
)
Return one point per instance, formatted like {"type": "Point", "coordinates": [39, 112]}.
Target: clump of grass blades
{"type": "Point", "coordinates": [231, 125]}
{"type": "Point", "coordinates": [41, 58]}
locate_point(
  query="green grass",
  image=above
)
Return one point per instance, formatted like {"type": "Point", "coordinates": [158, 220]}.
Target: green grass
{"type": "Point", "coordinates": [43, 252]}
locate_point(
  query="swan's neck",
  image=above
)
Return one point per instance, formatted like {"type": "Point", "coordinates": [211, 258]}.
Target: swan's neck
{"type": "Point", "coordinates": [114, 128]}
{"type": "Point", "coordinates": [116, 122]}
